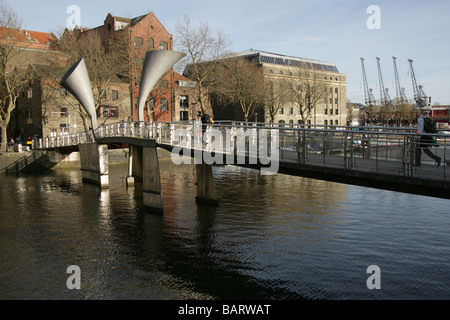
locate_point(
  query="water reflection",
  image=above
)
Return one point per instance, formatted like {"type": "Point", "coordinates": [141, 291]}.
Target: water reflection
{"type": "Point", "coordinates": [272, 237]}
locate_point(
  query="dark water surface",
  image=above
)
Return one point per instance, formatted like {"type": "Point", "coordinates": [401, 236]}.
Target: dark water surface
{"type": "Point", "coordinates": [272, 237]}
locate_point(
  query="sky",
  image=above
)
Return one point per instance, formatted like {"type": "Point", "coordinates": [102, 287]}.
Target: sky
{"type": "Point", "coordinates": [335, 31]}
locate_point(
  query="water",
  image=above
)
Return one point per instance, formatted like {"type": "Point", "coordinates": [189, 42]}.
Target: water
{"type": "Point", "coordinates": [272, 237]}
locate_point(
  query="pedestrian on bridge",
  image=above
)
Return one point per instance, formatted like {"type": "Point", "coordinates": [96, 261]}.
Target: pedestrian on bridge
{"type": "Point", "coordinates": [425, 140]}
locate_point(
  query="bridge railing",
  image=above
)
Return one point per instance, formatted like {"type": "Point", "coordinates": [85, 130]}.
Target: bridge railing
{"type": "Point", "coordinates": [384, 150]}
{"type": "Point", "coordinates": [64, 140]}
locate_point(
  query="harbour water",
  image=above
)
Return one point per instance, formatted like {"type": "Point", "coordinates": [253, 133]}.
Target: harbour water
{"type": "Point", "coordinates": [271, 237]}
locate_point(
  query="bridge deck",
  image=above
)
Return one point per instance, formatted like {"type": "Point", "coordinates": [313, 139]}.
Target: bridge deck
{"type": "Point", "coordinates": [371, 158]}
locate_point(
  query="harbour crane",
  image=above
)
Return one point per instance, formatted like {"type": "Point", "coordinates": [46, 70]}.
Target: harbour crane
{"type": "Point", "coordinates": [384, 93]}
{"type": "Point", "coordinates": [422, 101]}
{"type": "Point", "coordinates": [401, 96]}
{"type": "Point", "coordinates": [369, 98]}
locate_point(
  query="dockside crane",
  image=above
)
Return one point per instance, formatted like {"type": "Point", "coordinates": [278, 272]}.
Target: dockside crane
{"type": "Point", "coordinates": [422, 101]}
{"type": "Point", "coordinates": [400, 91]}
{"type": "Point", "coordinates": [368, 95]}
{"type": "Point", "coordinates": [384, 93]}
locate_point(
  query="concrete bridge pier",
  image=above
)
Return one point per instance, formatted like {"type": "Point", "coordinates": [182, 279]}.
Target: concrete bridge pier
{"type": "Point", "coordinates": [130, 179]}
{"type": "Point", "coordinates": [147, 181]}
{"type": "Point", "coordinates": [206, 189]}
{"type": "Point", "coordinates": [94, 164]}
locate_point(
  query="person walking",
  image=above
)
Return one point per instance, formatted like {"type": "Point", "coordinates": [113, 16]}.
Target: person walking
{"type": "Point", "coordinates": [425, 140]}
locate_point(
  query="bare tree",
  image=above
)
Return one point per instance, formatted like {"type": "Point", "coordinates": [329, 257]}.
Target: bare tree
{"type": "Point", "coordinates": [200, 45]}
{"type": "Point", "coordinates": [13, 78]}
{"type": "Point", "coordinates": [386, 113]}
{"type": "Point", "coordinates": [242, 83]}
{"type": "Point", "coordinates": [277, 96]}
{"type": "Point", "coordinates": [104, 62]}
{"type": "Point", "coordinates": [307, 91]}
{"type": "Point", "coordinates": [405, 112]}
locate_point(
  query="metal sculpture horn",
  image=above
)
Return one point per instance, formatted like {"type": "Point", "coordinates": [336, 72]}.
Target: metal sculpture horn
{"type": "Point", "coordinates": [156, 64]}
{"type": "Point", "coordinates": [76, 81]}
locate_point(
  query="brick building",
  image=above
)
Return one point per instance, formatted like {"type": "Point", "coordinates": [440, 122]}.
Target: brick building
{"type": "Point", "coordinates": [144, 33]}
{"type": "Point", "coordinates": [44, 108]}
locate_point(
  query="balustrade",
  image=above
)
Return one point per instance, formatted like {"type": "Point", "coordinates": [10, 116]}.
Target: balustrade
{"type": "Point", "coordinates": [387, 150]}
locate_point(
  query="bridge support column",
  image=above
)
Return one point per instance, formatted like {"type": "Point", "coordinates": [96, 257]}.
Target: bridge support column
{"type": "Point", "coordinates": [206, 189]}
{"type": "Point", "coordinates": [94, 164]}
{"type": "Point", "coordinates": [145, 170]}
{"type": "Point", "coordinates": [130, 179]}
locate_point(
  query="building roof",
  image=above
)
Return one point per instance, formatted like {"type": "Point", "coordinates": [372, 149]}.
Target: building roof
{"type": "Point", "coordinates": [122, 19]}
{"type": "Point", "coordinates": [280, 59]}
{"type": "Point", "coordinates": [35, 39]}
{"type": "Point", "coordinates": [180, 77]}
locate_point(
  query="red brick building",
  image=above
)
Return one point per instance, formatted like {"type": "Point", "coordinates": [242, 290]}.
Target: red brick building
{"type": "Point", "coordinates": [144, 33]}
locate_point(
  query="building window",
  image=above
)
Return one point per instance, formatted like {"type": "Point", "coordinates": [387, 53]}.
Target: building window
{"type": "Point", "coordinates": [336, 90]}
{"type": "Point", "coordinates": [63, 112]}
{"type": "Point", "coordinates": [336, 112]}
{"type": "Point", "coordinates": [281, 110]}
{"type": "Point", "coordinates": [184, 102]}
{"type": "Point", "coordinates": [115, 95]}
{"type": "Point", "coordinates": [184, 116]}
{"type": "Point", "coordinates": [335, 101]}
{"type": "Point", "coordinates": [162, 45]}
{"type": "Point", "coordinates": [109, 111]}
{"type": "Point", "coordinates": [28, 113]}
{"type": "Point", "coordinates": [53, 132]}
{"type": "Point", "coordinates": [281, 123]}
{"type": "Point", "coordinates": [151, 103]}
{"type": "Point", "coordinates": [325, 122]}
{"type": "Point", "coordinates": [164, 84]}
{"type": "Point", "coordinates": [64, 129]}
{"type": "Point", "coordinates": [151, 44]}
{"type": "Point", "coordinates": [30, 93]}
{"type": "Point", "coordinates": [326, 111]}
{"type": "Point", "coordinates": [164, 104]}
{"type": "Point", "coordinates": [291, 110]}
{"type": "Point", "coordinates": [138, 42]}
{"type": "Point", "coordinates": [336, 122]}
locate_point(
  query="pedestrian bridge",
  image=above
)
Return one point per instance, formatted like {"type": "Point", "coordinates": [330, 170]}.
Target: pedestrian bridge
{"type": "Point", "coordinates": [367, 156]}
